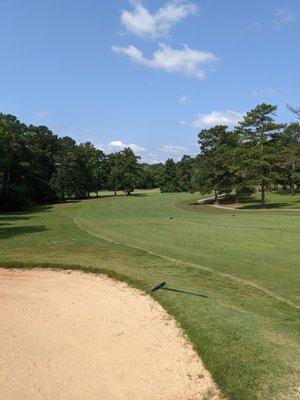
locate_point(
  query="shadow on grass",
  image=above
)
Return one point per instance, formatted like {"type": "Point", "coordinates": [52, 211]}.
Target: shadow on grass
{"type": "Point", "coordinates": [21, 214]}
{"type": "Point", "coordinates": [256, 205]}
{"type": "Point", "coordinates": [6, 232]}
{"type": "Point", "coordinates": [6, 217]}
{"type": "Point", "coordinates": [253, 203]}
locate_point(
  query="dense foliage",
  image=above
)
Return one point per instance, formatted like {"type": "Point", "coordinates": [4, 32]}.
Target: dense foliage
{"type": "Point", "coordinates": [258, 153]}
{"type": "Point", "coordinates": [37, 166]}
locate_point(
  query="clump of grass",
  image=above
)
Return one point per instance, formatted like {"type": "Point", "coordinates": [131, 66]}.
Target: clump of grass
{"type": "Point", "coordinates": [209, 394]}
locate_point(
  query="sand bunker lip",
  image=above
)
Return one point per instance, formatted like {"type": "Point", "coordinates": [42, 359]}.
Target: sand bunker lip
{"type": "Point", "coordinates": [71, 335]}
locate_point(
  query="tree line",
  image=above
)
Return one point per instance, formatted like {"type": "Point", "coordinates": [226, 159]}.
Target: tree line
{"type": "Point", "coordinates": [37, 166]}
{"type": "Point", "coordinates": [259, 153]}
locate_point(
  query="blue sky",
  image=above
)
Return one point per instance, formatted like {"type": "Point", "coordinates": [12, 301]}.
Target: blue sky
{"type": "Point", "coordinates": [149, 74]}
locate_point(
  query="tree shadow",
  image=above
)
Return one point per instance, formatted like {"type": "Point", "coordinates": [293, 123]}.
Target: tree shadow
{"type": "Point", "coordinates": [6, 232]}
{"type": "Point", "coordinates": [28, 211]}
{"type": "Point", "coordinates": [4, 217]}
{"type": "Point", "coordinates": [256, 206]}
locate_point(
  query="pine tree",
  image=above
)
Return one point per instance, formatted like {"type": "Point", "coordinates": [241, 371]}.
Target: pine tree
{"type": "Point", "coordinates": [169, 178]}
{"type": "Point", "coordinates": [257, 157]}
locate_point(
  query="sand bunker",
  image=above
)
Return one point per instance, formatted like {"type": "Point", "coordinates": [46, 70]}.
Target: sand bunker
{"type": "Point", "coordinates": [71, 336]}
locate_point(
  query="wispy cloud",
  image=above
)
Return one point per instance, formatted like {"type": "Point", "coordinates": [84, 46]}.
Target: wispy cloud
{"type": "Point", "coordinates": [44, 114]}
{"type": "Point", "coordinates": [143, 23]}
{"type": "Point", "coordinates": [118, 145]}
{"type": "Point", "coordinates": [152, 158]}
{"type": "Point", "coordinates": [183, 122]}
{"type": "Point", "coordinates": [283, 17]}
{"type": "Point", "coordinates": [172, 149]}
{"type": "Point", "coordinates": [183, 100]}
{"type": "Point", "coordinates": [229, 118]}
{"type": "Point", "coordinates": [187, 60]}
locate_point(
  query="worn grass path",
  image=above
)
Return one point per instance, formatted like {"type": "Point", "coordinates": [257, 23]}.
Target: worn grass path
{"type": "Point", "coordinates": [246, 331]}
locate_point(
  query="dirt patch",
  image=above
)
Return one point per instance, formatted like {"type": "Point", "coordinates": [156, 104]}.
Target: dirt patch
{"type": "Point", "coordinates": [71, 336]}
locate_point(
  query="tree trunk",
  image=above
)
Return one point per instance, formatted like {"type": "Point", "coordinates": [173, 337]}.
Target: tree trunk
{"type": "Point", "coordinates": [115, 191]}
{"type": "Point", "coordinates": [263, 196]}
{"type": "Point", "coordinates": [216, 197]}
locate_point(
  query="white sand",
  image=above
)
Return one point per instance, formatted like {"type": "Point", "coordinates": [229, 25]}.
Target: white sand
{"type": "Point", "coordinates": [71, 336]}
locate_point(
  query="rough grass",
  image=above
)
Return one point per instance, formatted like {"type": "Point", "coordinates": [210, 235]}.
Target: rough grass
{"type": "Point", "coordinates": [246, 330]}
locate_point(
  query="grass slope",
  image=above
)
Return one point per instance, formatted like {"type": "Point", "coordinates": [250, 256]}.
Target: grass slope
{"type": "Point", "coordinates": [246, 331]}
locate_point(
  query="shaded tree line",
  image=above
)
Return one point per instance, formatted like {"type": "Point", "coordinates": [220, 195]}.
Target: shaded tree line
{"type": "Point", "coordinates": [36, 167]}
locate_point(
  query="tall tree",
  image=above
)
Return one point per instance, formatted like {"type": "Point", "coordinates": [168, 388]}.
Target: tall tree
{"type": "Point", "coordinates": [169, 180]}
{"type": "Point", "coordinates": [290, 153]}
{"type": "Point", "coordinates": [15, 157]}
{"type": "Point", "coordinates": [44, 146]}
{"type": "Point", "coordinates": [66, 180]}
{"type": "Point", "coordinates": [91, 168]}
{"type": "Point", "coordinates": [130, 170]}
{"type": "Point", "coordinates": [186, 167]}
{"type": "Point", "coordinates": [114, 177]}
{"type": "Point", "coordinates": [215, 163]}
{"type": "Point", "coordinates": [257, 157]}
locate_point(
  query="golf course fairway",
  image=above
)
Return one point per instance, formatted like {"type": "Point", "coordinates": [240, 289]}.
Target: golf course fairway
{"type": "Point", "coordinates": [246, 331]}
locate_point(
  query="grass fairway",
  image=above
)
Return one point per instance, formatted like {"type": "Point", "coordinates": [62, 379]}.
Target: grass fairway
{"type": "Point", "coordinates": [246, 331]}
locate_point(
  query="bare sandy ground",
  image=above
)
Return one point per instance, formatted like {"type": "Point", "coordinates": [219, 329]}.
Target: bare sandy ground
{"type": "Point", "coordinates": [71, 336]}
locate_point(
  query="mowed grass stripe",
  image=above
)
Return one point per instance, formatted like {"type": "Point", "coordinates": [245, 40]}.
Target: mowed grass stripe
{"type": "Point", "coordinates": [177, 261]}
{"type": "Point", "coordinates": [250, 247]}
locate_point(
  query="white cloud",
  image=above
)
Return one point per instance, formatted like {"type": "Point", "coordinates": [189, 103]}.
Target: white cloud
{"type": "Point", "coordinates": [118, 145]}
{"type": "Point", "coordinates": [141, 22]}
{"type": "Point", "coordinates": [183, 122]}
{"type": "Point", "coordinates": [152, 158]}
{"type": "Point", "coordinates": [147, 156]}
{"type": "Point", "coordinates": [44, 114]}
{"type": "Point", "coordinates": [229, 118]}
{"type": "Point", "coordinates": [186, 60]}
{"type": "Point", "coordinates": [183, 100]}
{"type": "Point", "coordinates": [171, 149]}
{"type": "Point", "coordinates": [284, 17]}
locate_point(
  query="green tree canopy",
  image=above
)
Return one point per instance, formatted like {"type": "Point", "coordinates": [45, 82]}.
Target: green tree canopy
{"type": "Point", "coordinates": [257, 157]}
{"type": "Point", "coordinates": [169, 180]}
{"type": "Point", "coordinates": [214, 170]}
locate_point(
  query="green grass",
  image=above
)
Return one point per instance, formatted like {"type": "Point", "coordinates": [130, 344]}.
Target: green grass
{"type": "Point", "coordinates": [246, 330]}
